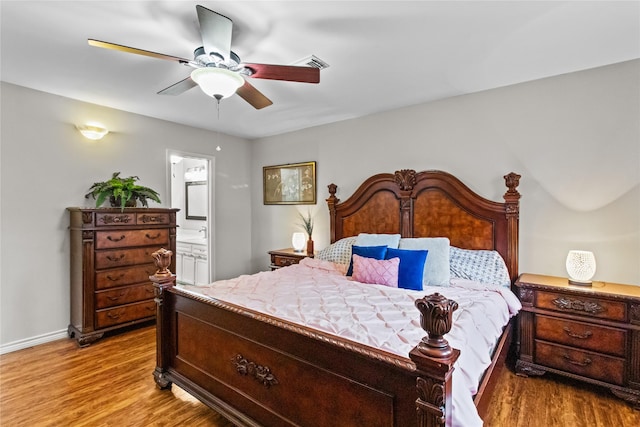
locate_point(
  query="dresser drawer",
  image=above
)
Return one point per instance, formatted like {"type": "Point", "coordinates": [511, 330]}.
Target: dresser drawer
{"type": "Point", "coordinates": [604, 309]}
{"type": "Point", "coordinates": [152, 218]}
{"type": "Point", "coordinates": [583, 335]}
{"type": "Point", "coordinates": [123, 295]}
{"type": "Point", "coordinates": [126, 313]}
{"type": "Point", "coordinates": [123, 257]}
{"type": "Point", "coordinates": [124, 276]}
{"type": "Point", "coordinates": [128, 238]}
{"type": "Point", "coordinates": [580, 362]}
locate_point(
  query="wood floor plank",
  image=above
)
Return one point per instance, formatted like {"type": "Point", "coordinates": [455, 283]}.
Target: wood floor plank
{"type": "Point", "coordinates": [110, 383]}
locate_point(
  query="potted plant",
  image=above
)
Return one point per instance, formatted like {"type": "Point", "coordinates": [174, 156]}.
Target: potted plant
{"type": "Point", "coordinates": [122, 192]}
{"type": "Point", "coordinates": [307, 225]}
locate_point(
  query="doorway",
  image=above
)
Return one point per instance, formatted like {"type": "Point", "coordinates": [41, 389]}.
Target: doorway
{"type": "Point", "coordinates": [191, 184]}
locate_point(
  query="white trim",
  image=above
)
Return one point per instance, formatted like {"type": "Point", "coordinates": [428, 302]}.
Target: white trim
{"type": "Point", "coordinates": [30, 342]}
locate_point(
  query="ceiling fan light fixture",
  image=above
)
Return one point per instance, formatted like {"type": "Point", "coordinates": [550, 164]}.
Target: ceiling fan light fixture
{"type": "Point", "coordinates": [217, 82]}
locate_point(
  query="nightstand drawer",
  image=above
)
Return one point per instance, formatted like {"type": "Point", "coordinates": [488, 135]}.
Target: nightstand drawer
{"type": "Point", "coordinates": [604, 309]}
{"type": "Point", "coordinates": [584, 363]}
{"type": "Point", "coordinates": [578, 334]}
{"type": "Point", "coordinates": [283, 261]}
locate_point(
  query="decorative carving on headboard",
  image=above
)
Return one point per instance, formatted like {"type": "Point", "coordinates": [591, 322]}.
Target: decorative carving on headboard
{"type": "Point", "coordinates": [406, 179]}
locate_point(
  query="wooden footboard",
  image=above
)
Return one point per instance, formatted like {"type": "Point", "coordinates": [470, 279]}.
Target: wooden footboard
{"type": "Point", "coordinates": [257, 370]}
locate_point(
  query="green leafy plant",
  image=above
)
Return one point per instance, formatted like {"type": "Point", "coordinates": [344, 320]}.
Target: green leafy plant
{"type": "Point", "coordinates": [121, 192]}
{"type": "Point", "coordinates": [307, 223]}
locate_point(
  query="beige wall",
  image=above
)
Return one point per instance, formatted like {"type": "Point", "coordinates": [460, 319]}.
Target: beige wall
{"type": "Point", "coordinates": [575, 139]}
{"type": "Point", "coordinates": [46, 165]}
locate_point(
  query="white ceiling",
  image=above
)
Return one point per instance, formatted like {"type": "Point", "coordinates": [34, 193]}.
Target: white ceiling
{"type": "Point", "coordinates": [382, 54]}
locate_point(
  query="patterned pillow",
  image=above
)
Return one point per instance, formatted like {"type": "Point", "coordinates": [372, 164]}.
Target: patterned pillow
{"type": "Point", "coordinates": [375, 252]}
{"type": "Point", "coordinates": [479, 265]}
{"type": "Point", "coordinates": [338, 252]}
{"type": "Point", "coordinates": [381, 272]}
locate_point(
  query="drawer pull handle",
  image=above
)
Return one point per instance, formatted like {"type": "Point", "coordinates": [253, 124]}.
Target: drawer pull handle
{"type": "Point", "coordinates": [113, 315]}
{"type": "Point", "coordinates": [585, 362]}
{"type": "Point", "coordinates": [115, 239]}
{"type": "Point", "coordinates": [152, 237]}
{"type": "Point", "coordinates": [118, 297]}
{"type": "Point", "coordinates": [584, 336]}
{"type": "Point", "coordinates": [115, 279]}
{"type": "Point", "coordinates": [115, 259]}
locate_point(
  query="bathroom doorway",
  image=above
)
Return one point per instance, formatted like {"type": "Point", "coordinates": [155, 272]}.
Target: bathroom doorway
{"type": "Point", "coordinates": [191, 184]}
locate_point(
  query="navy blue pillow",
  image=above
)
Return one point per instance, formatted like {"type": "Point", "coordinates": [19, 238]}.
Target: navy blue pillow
{"type": "Point", "coordinates": [411, 268]}
{"type": "Point", "coordinates": [375, 252]}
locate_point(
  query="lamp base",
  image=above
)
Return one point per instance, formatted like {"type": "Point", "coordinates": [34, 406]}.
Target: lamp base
{"type": "Point", "coordinates": [580, 283]}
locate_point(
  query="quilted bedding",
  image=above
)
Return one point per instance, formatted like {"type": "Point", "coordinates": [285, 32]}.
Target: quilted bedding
{"type": "Point", "coordinates": [317, 294]}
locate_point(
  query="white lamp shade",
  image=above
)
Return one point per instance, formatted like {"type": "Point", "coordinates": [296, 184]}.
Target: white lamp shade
{"type": "Point", "coordinates": [217, 82]}
{"type": "Point", "coordinates": [581, 267]}
{"type": "Point", "coordinates": [298, 241]}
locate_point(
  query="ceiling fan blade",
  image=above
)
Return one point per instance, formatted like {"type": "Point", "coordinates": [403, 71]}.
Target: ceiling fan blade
{"type": "Point", "coordinates": [107, 45]}
{"type": "Point", "coordinates": [290, 73]}
{"type": "Point", "coordinates": [253, 96]}
{"type": "Point", "coordinates": [216, 31]}
{"type": "Point", "coordinates": [178, 88]}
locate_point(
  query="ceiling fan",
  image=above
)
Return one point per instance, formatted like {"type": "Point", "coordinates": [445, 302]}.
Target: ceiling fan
{"type": "Point", "coordinates": [217, 69]}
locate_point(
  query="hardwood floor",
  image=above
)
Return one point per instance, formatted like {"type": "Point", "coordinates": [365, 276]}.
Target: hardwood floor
{"type": "Point", "coordinates": [110, 384]}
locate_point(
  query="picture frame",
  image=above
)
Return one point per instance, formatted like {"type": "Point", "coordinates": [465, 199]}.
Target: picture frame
{"type": "Point", "coordinates": [290, 184]}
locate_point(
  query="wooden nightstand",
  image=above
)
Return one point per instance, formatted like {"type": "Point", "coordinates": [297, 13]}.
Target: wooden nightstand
{"type": "Point", "coordinates": [284, 257]}
{"type": "Point", "coordinates": [587, 333]}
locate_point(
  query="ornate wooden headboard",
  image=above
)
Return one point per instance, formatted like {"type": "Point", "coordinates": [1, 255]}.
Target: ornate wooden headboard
{"type": "Point", "coordinates": [430, 204]}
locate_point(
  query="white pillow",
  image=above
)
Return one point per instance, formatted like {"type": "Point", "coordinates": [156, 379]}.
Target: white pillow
{"type": "Point", "coordinates": [388, 240]}
{"type": "Point", "coordinates": [338, 252]}
{"type": "Point", "coordinates": [436, 268]}
{"type": "Point", "coordinates": [479, 265]}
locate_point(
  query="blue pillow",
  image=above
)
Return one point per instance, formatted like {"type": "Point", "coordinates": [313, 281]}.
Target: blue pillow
{"type": "Point", "coordinates": [411, 267]}
{"type": "Point", "coordinates": [375, 252]}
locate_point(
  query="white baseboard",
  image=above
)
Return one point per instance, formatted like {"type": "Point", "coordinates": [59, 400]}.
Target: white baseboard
{"type": "Point", "coordinates": [30, 342]}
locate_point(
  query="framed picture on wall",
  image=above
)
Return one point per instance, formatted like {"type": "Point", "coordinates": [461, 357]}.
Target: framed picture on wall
{"type": "Point", "coordinates": [291, 184]}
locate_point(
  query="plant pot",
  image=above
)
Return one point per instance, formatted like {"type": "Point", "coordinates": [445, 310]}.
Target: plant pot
{"type": "Point", "coordinates": [116, 203]}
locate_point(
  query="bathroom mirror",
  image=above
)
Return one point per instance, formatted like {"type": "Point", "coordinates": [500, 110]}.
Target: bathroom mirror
{"type": "Point", "coordinates": [196, 200]}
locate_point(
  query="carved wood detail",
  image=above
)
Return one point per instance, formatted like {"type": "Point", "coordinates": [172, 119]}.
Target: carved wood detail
{"type": "Point", "coordinates": [260, 373]}
{"type": "Point", "coordinates": [430, 403]}
{"type": "Point", "coordinates": [406, 179]}
{"type": "Point", "coordinates": [115, 219]}
{"type": "Point", "coordinates": [87, 218]}
{"type": "Point", "coordinates": [631, 398]}
{"type": "Point", "coordinates": [634, 314]}
{"type": "Point", "coordinates": [526, 296]}
{"type": "Point", "coordinates": [152, 219]}
{"type": "Point", "coordinates": [591, 307]}
{"type": "Point", "coordinates": [525, 369]}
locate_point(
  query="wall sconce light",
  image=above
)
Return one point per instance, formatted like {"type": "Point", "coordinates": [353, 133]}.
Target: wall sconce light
{"type": "Point", "coordinates": [298, 241]}
{"type": "Point", "coordinates": [581, 267]}
{"type": "Point", "coordinates": [92, 131]}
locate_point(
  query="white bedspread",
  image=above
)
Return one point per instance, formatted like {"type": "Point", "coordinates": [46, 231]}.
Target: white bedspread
{"type": "Point", "coordinates": [315, 293]}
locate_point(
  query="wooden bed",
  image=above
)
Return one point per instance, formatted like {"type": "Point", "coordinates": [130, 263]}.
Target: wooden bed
{"type": "Point", "coordinates": [259, 370]}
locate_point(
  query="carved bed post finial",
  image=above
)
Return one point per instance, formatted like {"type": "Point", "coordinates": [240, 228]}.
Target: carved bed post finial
{"type": "Point", "coordinates": [436, 318]}
{"type": "Point", "coordinates": [434, 359]}
{"type": "Point", "coordinates": [332, 201]}
{"type": "Point", "coordinates": [512, 201]}
{"type": "Point", "coordinates": [162, 280]}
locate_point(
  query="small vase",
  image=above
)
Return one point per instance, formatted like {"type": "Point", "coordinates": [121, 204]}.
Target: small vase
{"type": "Point", "coordinates": [309, 246]}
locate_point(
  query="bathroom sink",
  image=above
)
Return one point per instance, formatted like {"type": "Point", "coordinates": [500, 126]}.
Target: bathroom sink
{"type": "Point", "coordinates": [192, 240]}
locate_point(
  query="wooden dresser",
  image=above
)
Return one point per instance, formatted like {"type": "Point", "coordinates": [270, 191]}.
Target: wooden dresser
{"type": "Point", "coordinates": [110, 267]}
{"type": "Point", "coordinates": [284, 257]}
{"type": "Point", "coordinates": [586, 333]}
